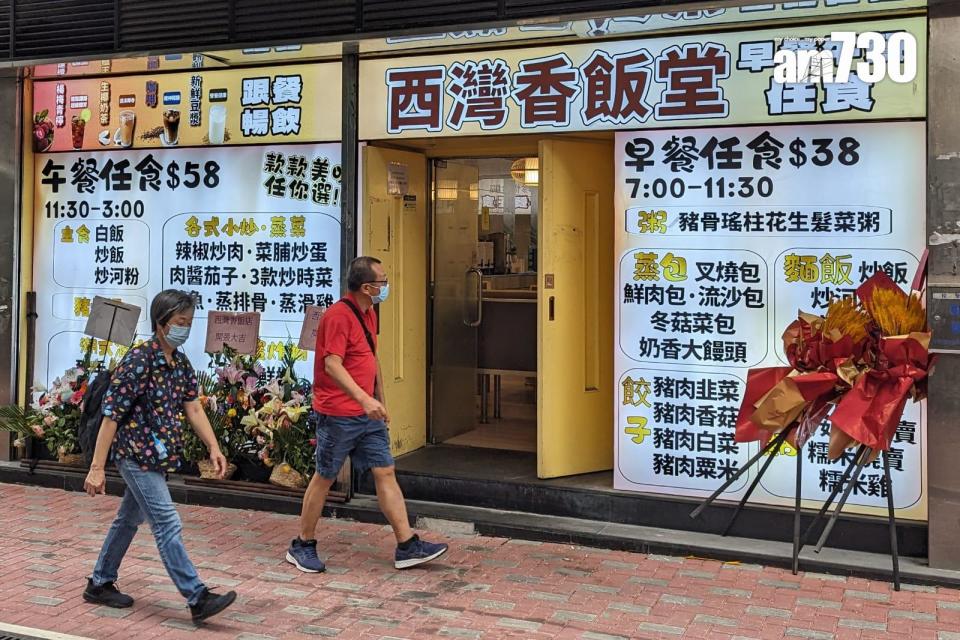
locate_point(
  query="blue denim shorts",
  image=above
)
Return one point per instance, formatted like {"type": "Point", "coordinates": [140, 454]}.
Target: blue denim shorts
{"type": "Point", "coordinates": [366, 441]}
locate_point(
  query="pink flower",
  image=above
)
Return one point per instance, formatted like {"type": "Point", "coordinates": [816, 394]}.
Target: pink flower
{"type": "Point", "coordinates": [313, 442]}
{"type": "Point", "coordinates": [230, 374]}
{"type": "Point", "coordinates": [77, 397]}
{"type": "Point", "coordinates": [38, 430]}
{"type": "Point", "coordinates": [49, 420]}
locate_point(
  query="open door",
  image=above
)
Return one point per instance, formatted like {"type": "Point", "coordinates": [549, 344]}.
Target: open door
{"type": "Point", "coordinates": [575, 329]}
{"type": "Point", "coordinates": [395, 232]}
{"type": "Point", "coordinates": [456, 299]}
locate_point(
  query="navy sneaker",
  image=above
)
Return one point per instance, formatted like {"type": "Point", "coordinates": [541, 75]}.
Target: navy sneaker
{"type": "Point", "coordinates": [417, 553]}
{"type": "Point", "coordinates": [303, 555]}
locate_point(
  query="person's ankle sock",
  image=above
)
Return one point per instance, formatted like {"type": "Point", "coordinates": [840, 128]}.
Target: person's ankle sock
{"type": "Point", "coordinates": [406, 545]}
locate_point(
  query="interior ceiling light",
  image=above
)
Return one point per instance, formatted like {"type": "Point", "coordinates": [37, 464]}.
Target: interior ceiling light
{"type": "Point", "coordinates": [526, 171]}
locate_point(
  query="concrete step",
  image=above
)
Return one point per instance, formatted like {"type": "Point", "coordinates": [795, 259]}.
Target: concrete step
{"type": "Point", "coordinates": [510, 524]}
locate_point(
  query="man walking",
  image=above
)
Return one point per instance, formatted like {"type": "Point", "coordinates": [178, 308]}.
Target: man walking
{"type": "Point", "coordinates": [351, 418]}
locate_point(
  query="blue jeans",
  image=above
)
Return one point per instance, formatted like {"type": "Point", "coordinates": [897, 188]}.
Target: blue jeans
{"type": "Point", "coordinates": [147, 497]}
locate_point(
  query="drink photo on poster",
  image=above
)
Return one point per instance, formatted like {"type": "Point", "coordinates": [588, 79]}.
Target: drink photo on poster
{"type": "Point", "coordinates": [128, 124]}
{"type": "Point", "coordinates": [171, 127]}
{"type": "Point", "coordinates": [77, 128]}
{"type": "Point", "coordinates": [217, 122]}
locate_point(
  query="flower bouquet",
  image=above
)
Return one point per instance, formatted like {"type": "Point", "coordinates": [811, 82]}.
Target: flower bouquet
{"type": "Point", "coordinates": [233, 391]}
{"type": "Point", "coordinates": [280, 427]}
{"type": "Point", "coordinates": [228, 436]}
{"type": "Point", "coordinates": [236, 384]}
{"type": "Point", "coordinates": [55, 415]}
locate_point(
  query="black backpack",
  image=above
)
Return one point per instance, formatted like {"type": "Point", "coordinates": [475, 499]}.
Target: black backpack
{"type": "Point", "coordinates": [92, 414]}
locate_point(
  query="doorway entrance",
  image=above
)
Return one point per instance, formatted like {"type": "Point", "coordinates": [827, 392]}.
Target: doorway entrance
{"type": "Point", "coordinates": [484, 324]}
{"type": "Point", "coordinates": [515, 261]}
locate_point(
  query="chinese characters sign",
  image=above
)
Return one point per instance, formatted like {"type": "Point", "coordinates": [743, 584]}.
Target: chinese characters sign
{"type": "Point", "coordinates": [209, 107]}
{"type": "Point", "coordinates": [243, 230]}
{"type": "Point", "coordinates": [724, 235]}
{"type": "Point", "coordinates": [688, 81]}
{"type": "Point", "coordinates": [271, 105]}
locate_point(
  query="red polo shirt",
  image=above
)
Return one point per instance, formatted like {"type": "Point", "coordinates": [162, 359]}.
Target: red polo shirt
{"type": "Point", "coordinates": [340, 334]}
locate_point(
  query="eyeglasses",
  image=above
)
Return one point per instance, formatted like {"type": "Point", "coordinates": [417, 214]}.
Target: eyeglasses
{"type": "Point", "coordinates": [376, 282]}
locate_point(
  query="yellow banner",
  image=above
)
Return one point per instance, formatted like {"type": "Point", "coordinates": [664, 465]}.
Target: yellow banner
{"type": "Point", "coordinates": [697, 80]}
{"type": "Point", "coordinates": [297, 103]}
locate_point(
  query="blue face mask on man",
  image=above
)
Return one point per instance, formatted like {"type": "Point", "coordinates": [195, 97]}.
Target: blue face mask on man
{"type": "Point", "coordinates": [382, 295]}
{"type": "Point", "coordinates": [177, 335]}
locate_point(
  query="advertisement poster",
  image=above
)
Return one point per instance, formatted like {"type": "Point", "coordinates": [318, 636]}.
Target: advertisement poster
{"type": "Point", "coordinates": [189, 109]}
{"type": "Point", "coordinates": [699, 80]}
{"type": "Point", "coordinates": [255, 229]}
{"type": "Point", "coordinates": [724, 235]}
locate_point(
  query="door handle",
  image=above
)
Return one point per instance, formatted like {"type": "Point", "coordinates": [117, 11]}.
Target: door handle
{"type": "Point", "coordinates": [551, 308]}
{"type": "Point", "coordinates": [479, 274]}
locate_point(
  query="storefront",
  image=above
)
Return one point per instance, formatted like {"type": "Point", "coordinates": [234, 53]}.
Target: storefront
{"type": "Point", "coordinates": [594, 227]}
{"type": "Point", "coordinates": [651, 214]}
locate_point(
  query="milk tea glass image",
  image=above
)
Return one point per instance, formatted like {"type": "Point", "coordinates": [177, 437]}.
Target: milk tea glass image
{"type": "Point", "coordinates": [171, 126]}
{"type": "Point", "coordinates": [128, 124]}
{"type": "Point", "coordinates": [217, 122]}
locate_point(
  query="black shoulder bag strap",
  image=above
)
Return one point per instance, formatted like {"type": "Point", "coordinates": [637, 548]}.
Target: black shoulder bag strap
{"type": "Point", "coordinates": [363, 325]}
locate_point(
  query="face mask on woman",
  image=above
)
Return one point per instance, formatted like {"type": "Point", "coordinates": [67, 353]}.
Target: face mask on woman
{"type": "Point", "coordinates": [177, 335]}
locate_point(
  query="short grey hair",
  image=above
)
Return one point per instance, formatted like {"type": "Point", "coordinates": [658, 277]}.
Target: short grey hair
{"type": "Point", "coordinates": [167, 304]}
{"type": "Point", "coordinates": [361, 272]}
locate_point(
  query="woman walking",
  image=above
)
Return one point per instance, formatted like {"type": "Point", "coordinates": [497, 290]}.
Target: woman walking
{"type": "Point", "coordinates": [151, 391]}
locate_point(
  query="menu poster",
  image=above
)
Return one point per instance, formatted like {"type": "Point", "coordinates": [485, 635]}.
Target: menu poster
{"type": "Point", "coordinates": [195, 108]}
{"type": "Point", "coordinates": [250, 230]}
{"type": "Point", "coordinates": [724, 235]}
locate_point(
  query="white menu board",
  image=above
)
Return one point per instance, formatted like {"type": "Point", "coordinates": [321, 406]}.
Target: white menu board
{"type": "Point", "coordinates": [723, 236]}
{"type": "Point", "coordinates": [253, 229]}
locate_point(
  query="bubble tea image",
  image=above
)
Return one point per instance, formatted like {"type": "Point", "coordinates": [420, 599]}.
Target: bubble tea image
{"type": "Point", "coordinates": [171, 126]}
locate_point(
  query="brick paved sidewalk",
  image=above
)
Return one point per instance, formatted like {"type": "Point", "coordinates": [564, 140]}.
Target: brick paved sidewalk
{"type": "Point", "coordinates": [484, 588]}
